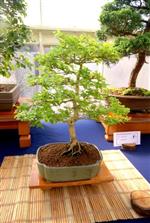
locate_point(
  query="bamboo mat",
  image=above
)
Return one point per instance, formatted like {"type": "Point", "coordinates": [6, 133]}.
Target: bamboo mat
{"type": "Point", "coordinates": [81, 204]}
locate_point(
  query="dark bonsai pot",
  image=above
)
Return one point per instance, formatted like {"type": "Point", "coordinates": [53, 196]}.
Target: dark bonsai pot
{"type": "Point", "coordinates": [68, 173]}
{"type": "Point", "coordinates": [9, 94]}
{"type": "Point", "coordinates": [135, 103]}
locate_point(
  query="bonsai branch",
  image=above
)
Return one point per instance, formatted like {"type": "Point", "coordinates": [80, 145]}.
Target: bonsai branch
{"type": "Point", "coordinates": [142, 20]}
{"type": "Point", "coordinates": [139, 7]}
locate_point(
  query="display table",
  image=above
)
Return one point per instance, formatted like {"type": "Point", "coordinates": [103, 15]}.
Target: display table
{"type": "Point", "coordinates": [8, 121]}
{"type": "Point", "coordinates": [104, 202]}
{"type": "Point", "coordinates": [138, 122]}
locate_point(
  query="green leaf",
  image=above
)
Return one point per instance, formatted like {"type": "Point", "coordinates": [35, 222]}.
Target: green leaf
{"type": "Point", "coordinates": [13, 35]}
{"type": "Point", "coordinates": [69, 89]}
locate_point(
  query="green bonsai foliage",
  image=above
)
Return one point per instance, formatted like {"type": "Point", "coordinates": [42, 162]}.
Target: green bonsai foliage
{"type": "Point", "coordinates": [70, 90]}
{"type": "Point", "coordinates": [13, 35]}
{"type": "Point", "coordinates": [130, 91]}
{"type": "Point", "coordinates": [136, 91]}
{"type": "Point", "coordinates": [128, 21]}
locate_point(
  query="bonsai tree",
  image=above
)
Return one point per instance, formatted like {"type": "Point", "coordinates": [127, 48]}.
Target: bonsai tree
{"type": "Point", "coordinates": [128, 21]}
{"type": "Point", "coordinates": [69, 89]}
{"type": "Point", "coordinates": [13, 35]}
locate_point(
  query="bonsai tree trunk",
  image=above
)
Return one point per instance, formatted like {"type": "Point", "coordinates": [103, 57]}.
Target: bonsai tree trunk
{"type": "Point", "coordinates": [74, 146]}
{"type": "Point", "coordinates": [140, 61]}
{"type": "Point", "coordinates": [136, 70]}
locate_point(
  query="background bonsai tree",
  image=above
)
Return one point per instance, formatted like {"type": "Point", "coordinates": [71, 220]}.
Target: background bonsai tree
{"type": "Point", "coordinates": [129, 22]}
{"type": "Point", "coordinates": [70, 90]}
{"type": "Point", "coordinates": [13, 35]}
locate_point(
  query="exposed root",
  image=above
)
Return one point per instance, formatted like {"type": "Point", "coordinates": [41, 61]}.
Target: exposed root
{"type": "Point", "coordinates": [74, 149]}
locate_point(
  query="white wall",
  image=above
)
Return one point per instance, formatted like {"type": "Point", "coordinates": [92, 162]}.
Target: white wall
{"type": "Point", "coordinates": [117, 75]}
{"type": "Point", "coordinates": [64, 13]}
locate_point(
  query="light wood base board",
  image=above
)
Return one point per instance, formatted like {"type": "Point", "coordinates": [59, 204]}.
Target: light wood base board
{"type": "Point", "coordinates": [37, 181]}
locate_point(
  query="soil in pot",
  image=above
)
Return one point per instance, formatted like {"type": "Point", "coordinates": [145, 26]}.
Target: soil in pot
{"type": "Point", "coordinates": [51, 155]}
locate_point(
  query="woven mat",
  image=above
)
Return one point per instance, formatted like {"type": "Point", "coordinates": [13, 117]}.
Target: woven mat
{"type": "Point", "coordinates": [80, 204]}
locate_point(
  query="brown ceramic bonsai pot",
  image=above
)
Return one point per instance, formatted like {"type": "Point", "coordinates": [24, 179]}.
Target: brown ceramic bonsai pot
{"type": "Point", "coordinates": [9, 94]}
{"type": "Point", "coordinates": [135, 103]}
{"type": "Point", "coordinates": [68, 173]}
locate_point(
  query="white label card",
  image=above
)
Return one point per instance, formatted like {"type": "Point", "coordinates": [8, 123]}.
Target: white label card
{"type": "Point", "coordinates": [120, 138]}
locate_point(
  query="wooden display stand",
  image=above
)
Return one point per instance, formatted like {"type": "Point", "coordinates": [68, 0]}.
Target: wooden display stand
{"type": "Point", "coordinates": [8, 121]}
{"type": "Point", "coordinates": [38, 182]}
{"type": "Point", "coordinates": [138, 122]}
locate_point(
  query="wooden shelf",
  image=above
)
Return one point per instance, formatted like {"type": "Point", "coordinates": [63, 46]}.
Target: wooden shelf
{"type": "Point", "coordinates": [138, 122]}
{"type": "Point", "coordinates": [8, 121]}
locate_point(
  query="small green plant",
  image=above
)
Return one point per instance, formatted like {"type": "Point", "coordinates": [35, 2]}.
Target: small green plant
{"type": "Point", "coordinates": [70, 90]}
{"type": "Point", "coordinates": [13, 35]}
{"type": "Point", "coordinates": [130, 91]}
{"type": "Point", "coordinates": [136, 91]}
{"type": "Point", "coordinates": [128, 22]}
